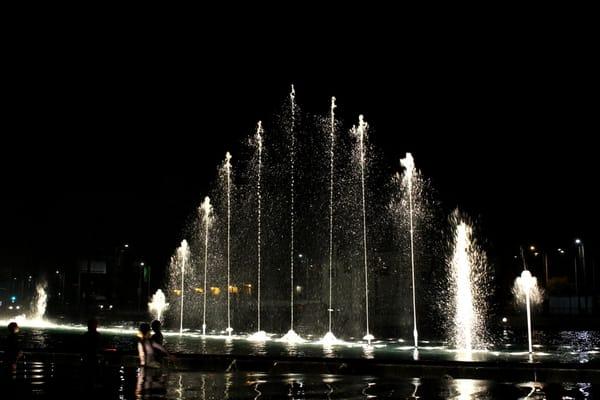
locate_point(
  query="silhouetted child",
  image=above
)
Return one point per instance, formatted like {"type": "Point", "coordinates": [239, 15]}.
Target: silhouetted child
{"type": "Point", "coordinates": [157, 336]}
{"type": "Point", "coordinates": [12, 350]}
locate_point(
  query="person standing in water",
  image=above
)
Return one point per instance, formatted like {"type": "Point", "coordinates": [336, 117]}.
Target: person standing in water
{"type": "Point", "coordinates": [148, 348]}
{"type": "Point", "coordinates": [12, 348]}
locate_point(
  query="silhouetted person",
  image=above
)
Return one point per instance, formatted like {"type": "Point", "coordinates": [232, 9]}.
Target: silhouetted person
{"type": "Point", "coordinates": [147, 348]}
{"type": "Point", "coordinates": [12, 348]}
{"type": "Point", "coordinates": [157, 336]}
{"type": "Point", "coordinates": [91, 349]}
{"type": "Point", "coordinates": [151, 380]}
{"type": "Point", "coordinates": [92, 344]}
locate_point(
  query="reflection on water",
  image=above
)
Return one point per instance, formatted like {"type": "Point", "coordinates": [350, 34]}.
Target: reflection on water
{"type": "Point", "coordinates": [534, 390]}
{"type": "Point", "coordinates": [416, 382]}
{"type": "Point", "coordinates": [258, 348]}
{"type": "Point", "coordinates": [368, 351]}
{"type": "Point", "coordinates": [129, 383]}
{"type": "Point", "coordinates": [365, 391]}
{"type": "Point", "coordinates": [466, 389]}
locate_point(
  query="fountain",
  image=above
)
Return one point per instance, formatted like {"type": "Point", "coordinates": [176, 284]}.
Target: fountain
{"type": "Point", "coordinates": [467, 285]}
{"type": "Point", "coordinates": [158, 304]}
{"type": "Point", "coordinates": [409, 164]}
{"type": "Point", "coordinates": [329, 337]}
{"type": "Point", "coordinates": [526, 291]}
{"type": "Point", "coordinates": [335, 259]}
{"type": "Point", "coordinates": [41, 301]}
{"type": "Point", "coordinates": [291, 336]}
{"type": "Point", "coordinates": [259, 335]}
{"type": "Point", "coordinates": [467, 265]}
{"type": "Point", "coordinates": [228, 171]}
{"type": "Point", "coordinates": [360, 132]}
{"type": "Point", "coordinates": [182, 257]}
{"type": "Point", "coordinates": [205, 211]}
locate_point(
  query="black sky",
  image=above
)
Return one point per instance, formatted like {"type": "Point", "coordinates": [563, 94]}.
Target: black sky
{"type": "Point", "coordinates": [112, 139]}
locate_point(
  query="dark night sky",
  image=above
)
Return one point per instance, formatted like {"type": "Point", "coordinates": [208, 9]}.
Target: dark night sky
{"type": "Point", "coordinates": [109, 140]}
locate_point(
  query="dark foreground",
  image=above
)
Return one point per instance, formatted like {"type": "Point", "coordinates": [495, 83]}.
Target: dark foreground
{"type": "Point", "coordinates": [52, 375]}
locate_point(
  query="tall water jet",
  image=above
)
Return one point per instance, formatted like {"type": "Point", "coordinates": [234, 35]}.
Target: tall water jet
{"type": "Point", "coordinates": [205, 211]}
{"type": "Point", "coordinates": [291, 335]}
{"type": "Point", "coordinates": [469, 288]}
{"type": "Point", "coordinates": [409, 164]}
{"type": "Point", "coordinates": [228, 171]}
{"type": "Point", "coordinates": [360, 132]}
{"type": "Point", "coordinates": [183, 255]}
{"type": "Point", "coordinates": [259, 334]}
{"type": "Point", "coordinates": [526, 291]}
{"type": "Point", "coordinates": [158, 304]}
{"type": "Point", "coordinates": [40, 301]}
{"type": "Point", "coordinates": [329, 336]}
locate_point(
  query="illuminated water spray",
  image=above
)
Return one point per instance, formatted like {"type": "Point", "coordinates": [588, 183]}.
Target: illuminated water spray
{"type": "Point", "coordinates": [526, 291]}
{"type": "Point", "coordinates": [329, 336]}
{"type": "Point", "coordinates": [183, 254]}
{"type": "Point", "coordinates": [468, 282]}
{"type": "Point", "coordinates": [41, 301]}
{"type": "Point", "coordinates": [259, 334]}
{"type": "Point", "coordinates": [158, 304]}
{"type": "Point", "coordinates": [409, 164]}
{"type": "Point", "coordinates": [360, 132]}
{"type": "Point", "coordinates": [292, 336]}
{"type": "Point", "coordinates": [228, 171]}
{"type": "Point", "coordinates": [206, 211]}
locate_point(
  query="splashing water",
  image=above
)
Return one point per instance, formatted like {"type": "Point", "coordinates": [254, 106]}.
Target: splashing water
{"type": "Point", "coordinates": [182, 257]}
{"type": "Point", "coordinates": [526, 291]}
{"type": "Point", "coordinates": [291, 335]}
{"type": "Point", "coordinates": [259, 335]}
{"type": "Point", "coordinates": [41, 301]}
{"type": "Point", "coordinates": [206, 211]}
{"type": "Point", "coordinates": [467, 269]}
{"type": "Point", "coordinates": [409, 164]}
{"type": "Point", "coordinates": [228, 171]}
{"type": "Point", "coordinates": [360, 132]}
{"type": "Point", "coordinates": [329, 336]}
{"type": "Point", "coordinates": [158, 304]}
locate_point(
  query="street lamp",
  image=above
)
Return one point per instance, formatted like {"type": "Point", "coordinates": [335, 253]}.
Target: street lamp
{"type": "Point", "coordinates": [537, 252]}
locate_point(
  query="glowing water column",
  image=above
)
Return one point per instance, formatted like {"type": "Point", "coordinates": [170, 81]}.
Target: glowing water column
{"type": "Point", "coordinates": [409, 163]}
{"type": "Point", "coordinates": [206, 211]}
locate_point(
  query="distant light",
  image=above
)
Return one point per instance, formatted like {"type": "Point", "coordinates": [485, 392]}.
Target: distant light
{"type": "Point", "coordinates": [142, 263]}
{"type": "Point", "coordinates": [536, 254]}
{"type": "Point", "coordinates": [101, 306]}
{"type": "Point", "coordinates": [29, 277]}
{"type": "Point", "coordinates": [532, 248]}
{"type": "Point", "coordinates": [577, 241]}
{"type": "Point", "coordinates": [504, 319]}
{"type": "Point", "coordinates": [126, 246]}
{"type": "Point", "coordinates": [57, 272]}
{"type": "Point", "coordinates": [10, 307]}
{"type": "Point", "coordinates": [18, 307]}
{"type": "Point", "coordinates": [13, 298]}
{"type": "Point", "coordinates": [299, 255]}
{"type": "Point", "coordinates": [298, 289]}
{"type": "Point", "coordinates": [561, 251]}
{"type": "Point", "coordinates": [110, 307]}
